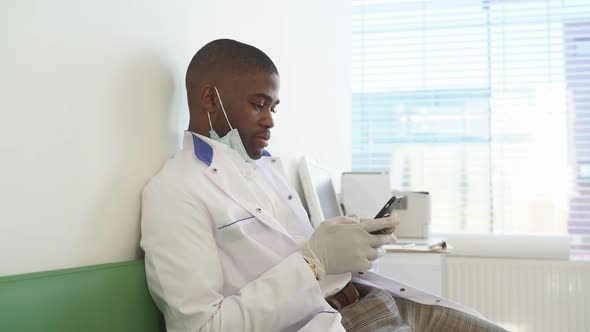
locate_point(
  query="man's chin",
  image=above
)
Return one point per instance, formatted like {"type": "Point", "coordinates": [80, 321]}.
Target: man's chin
{"type": "Point", "coordinates": [257, 154]}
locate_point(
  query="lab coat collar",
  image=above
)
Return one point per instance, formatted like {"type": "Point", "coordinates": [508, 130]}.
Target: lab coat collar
{"type": "Point", "coordinates": [225, 174]}
{"type": "Point", "coordinates": [204, 151]}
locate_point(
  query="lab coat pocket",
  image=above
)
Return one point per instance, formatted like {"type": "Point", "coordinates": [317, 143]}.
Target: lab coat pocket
{"type": "Point", "coordinates": [238, 230]}
{"type": "Point", "coordinates": [234, 222]}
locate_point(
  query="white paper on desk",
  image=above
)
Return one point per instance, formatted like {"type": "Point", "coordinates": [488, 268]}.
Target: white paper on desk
{"type": "Point", "coordinates": [436, 246]}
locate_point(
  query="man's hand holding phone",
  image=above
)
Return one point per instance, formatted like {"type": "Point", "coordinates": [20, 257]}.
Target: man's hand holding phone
{"type": "Point", "coordinates": [342, 244]}
{"type": "Point", "coordinates": [387, 212]}
{"type": "Point", "coordinates": [381, 226]}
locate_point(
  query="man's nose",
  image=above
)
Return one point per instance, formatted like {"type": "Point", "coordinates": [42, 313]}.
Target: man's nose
{"type": "Point", "coordinates": [267, 120]}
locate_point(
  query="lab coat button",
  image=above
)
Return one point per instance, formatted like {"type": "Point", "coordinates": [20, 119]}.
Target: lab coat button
{"type": "Point", "coordinates": [273, 160]}
{"type": "Point", "coordinates": [290, 197]}
{"type": "Point", "coordinates": [214, 170]}
{"type": "Point", "coordinates": [258, 210]}
{"type": "Point", "coordinates": [402, 289]}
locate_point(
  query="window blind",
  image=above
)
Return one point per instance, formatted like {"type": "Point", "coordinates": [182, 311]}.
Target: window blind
{"type": "Point", "coordinates": [485, 104]}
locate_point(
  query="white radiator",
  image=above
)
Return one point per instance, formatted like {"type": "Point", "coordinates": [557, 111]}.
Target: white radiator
{"type": "Point", "coordinates": [522, 295]}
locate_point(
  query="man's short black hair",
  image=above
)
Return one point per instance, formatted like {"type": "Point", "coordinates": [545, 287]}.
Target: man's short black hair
{"type": "Point", "coordinates": [225, 56]}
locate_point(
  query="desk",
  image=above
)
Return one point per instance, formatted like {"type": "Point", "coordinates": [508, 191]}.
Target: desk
{"type": "Point", "coordinates": [420, 270]}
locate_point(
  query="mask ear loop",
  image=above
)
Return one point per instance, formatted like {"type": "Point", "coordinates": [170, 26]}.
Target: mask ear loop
{"type": "Point", "coordinates": [222, 108]}
{"type": "Point", "coordinates": [209, 117]}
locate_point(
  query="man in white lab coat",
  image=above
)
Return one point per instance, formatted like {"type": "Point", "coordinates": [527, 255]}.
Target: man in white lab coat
{"type": "Point", "coordinates": [228, 245]}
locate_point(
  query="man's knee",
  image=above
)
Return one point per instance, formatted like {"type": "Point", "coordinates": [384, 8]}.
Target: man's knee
{"type": "Point", "coordinates": [424, 317]}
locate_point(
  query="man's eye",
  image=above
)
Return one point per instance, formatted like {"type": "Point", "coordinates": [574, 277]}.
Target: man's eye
{"type": "Point", "coordinates": [274, 110]}
{"type": "Point", "coordinates": [257, 106]}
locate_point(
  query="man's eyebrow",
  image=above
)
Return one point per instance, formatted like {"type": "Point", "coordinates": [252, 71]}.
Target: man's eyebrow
{"type": "Point", "coordinates": [267, 98]}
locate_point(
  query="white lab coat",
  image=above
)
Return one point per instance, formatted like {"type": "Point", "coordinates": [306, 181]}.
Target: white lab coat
{"type": "Point", "coordinates": [216, 261]}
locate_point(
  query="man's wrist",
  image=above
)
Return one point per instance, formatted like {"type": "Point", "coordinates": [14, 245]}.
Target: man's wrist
{"type": "Point", "coordinates": [313, 266]}
{"type": "Point", "coordinates": [312, 261]}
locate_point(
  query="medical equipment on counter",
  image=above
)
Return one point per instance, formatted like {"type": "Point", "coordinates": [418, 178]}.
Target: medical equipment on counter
{"type": "Point", "coordinates": [363, 192]}
{"type": "Point", "coordinates": [414, 214]}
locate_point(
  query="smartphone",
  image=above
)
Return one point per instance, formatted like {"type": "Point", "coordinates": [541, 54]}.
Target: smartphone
{"type": "Point", "coordinates": [386, 212]}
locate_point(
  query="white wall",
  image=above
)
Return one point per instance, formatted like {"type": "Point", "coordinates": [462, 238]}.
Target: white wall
{"type": "Point", "coordinates": [92, 102]}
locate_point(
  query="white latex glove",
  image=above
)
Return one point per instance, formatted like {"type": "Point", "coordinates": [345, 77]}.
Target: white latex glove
{"type": "Point", "coordinates": [343, 245]}
{"type": "Point", "coordinates": [386, 230]}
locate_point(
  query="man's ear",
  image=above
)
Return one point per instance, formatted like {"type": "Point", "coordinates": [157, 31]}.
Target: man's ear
{"type": "Point", "coordinates": [208, 98]}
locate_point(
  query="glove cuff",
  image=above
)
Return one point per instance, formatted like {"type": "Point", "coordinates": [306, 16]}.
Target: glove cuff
{"type": "Point", "coordinates": [314, 263]}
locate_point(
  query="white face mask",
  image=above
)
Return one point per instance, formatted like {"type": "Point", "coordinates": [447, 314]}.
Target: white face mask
{"type": "Point", "coordinates": [232, 138]}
